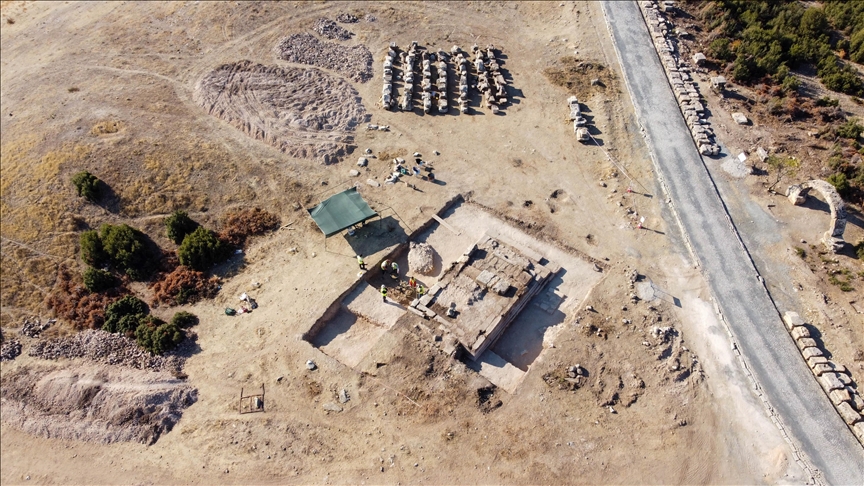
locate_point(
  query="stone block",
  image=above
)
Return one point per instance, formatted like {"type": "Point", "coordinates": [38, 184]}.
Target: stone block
{"type": "Point", "coordinates": [846, 379]}
{"type": "Point", "coordinates": [811, 353]}
{"type": "Point", "coordinates": [855, 399]}
{"type": "Point", "coordinates": [822, 368]}
{"type": "Point", "coordinates": [806, 343]}
{"type": "Point", "coordinates": [858, 429]}
{"type": "Point", "coordinates": [830, 381]}
{"type": "Point", "coordinates": [811, 362]}
{"type": "Point", "coordinates": [740, 118]}
{"type": "Point", "coordinates": [850, 416]}
{"type": "Point", "coordinates": [800, 332]}
{"type": "Point", "coordinates": [840, 396]}
{"type": "Point", "coordinates": [418, 312]}
{"type": "Point", "coordinates": [792, 319]}
{"type": "Point", "coordinates": [433, 290]}
{"type": "Point", "coordinates": [425, 300]}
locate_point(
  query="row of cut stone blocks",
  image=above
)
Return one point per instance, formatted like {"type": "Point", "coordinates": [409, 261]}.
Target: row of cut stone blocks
{"type": "Point", "coordinates": [832, 377]}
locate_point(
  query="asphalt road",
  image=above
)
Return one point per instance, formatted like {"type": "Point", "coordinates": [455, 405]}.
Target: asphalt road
{"type": "Point", "coordinates": [770, 353]}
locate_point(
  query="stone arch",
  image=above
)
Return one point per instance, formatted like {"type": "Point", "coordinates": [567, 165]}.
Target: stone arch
{"type": "Point", "coordinates": [833, 238]}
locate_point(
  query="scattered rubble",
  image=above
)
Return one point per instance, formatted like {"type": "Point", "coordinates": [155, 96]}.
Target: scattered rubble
{"type": "Point", "coordinates": [331, 30]}
{"type": "Point", "coordinates": [352, 62]}
{"type": "Point", "coordinates": [34, 328]}
{"type": "Point", "coordinates": [10, 350]}
{"type": "Point", "coordinates": [347, 18]}
{"type": "Point", "coordinates": [107, 348]}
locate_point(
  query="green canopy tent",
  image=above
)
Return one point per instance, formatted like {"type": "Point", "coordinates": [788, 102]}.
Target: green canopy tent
{"type": "Point", "coordinates": [341, 211]}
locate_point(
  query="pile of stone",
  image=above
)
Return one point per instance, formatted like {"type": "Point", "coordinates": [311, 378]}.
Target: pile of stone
{"type": "Point", "coordinates": [679, 71]}
{"type": "Point", "coordinates": [10, 350]}
{"type": "Point", "coordinates": [347, 18]}
{"type": "Point", "coordinates": [421, 258]}
{"type": "Point", "coordinates": [107, 348]}
{"type": "Point", "coordinates": [34, 328]}
{"type": "Point", "coordinates": [462, 64]}
{"type": "Point", "coordinates": [407, 60]}
{"type": "Point", "coordinates": [387, 99]}
{"type": "Point", "coordinates": [441, 82]}
{"type": "Point", "coordinates": [330, 29]}
{"type": "Point", "coordinates": [353, 62]}
{"type": "Point", "coordinates": [426, 83]}
{"type": "Point", "coordinates": [490, 82]}
{"type": "Point", "coordinates": [834, 378]}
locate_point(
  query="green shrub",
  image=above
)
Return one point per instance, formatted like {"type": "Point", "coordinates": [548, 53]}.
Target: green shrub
{"type": "Point", "coordinates": [201, 249]}
{"type": "Point", "coordinates": [791, 84]}
{"type": "Point", "coordinates": [157, 336]}
{"type": "Point", "coordinates": [124, 315]}
{"type": "Point", "coordinates": [96, 280]}
{"type": "Point", "coordinates": [838, 180]}
{"type": "Point", "coordinates": [178, 225]}
{"type": "Point", "coordinates": [859, 250]}
{"type": "Point", "coordinates": [800, 252]}
{"type": "Point", "coordinates": [91, 248]}
{"type": "Point", "coordinates": [852, 129]}
{"type": "Point", "coordinates": [184, 319]}
{"type": "Point", "coordinates": [126, 247]}
{"type": "Point", "coordinates": [87, 185]}
{"type": "Point", "coordinates": [827, 101]}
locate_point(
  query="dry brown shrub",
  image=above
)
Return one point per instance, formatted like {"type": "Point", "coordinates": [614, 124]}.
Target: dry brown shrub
{"type": "Point", "coordinates": [576, 75]}
{"type": "Point", "coordinates": [184, 286]}
{"type": "Point", "coordinates": [72, 302]}
{"type": "Point", "coordinates": [239, 225]}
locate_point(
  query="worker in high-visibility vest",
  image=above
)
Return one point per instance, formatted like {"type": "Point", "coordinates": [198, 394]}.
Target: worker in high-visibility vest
{"type": "Point", "coordinates": [395, 267]}
{"type": "Point", "coordinates": [384, 293]}
{"type": "Point", "coordinates": [412, 283]}
{"type": "Point", "coordinates": [361, 262]}
{"type": "Point", "coordinates": [385, 266]}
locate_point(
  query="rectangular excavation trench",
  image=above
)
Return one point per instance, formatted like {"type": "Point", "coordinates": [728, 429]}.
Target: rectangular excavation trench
{"type": "Point", "coordinates": [358, 320]}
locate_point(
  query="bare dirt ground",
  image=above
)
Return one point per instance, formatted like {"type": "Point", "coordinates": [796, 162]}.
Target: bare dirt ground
{"type": "Point", "coordinates": [684, 412]}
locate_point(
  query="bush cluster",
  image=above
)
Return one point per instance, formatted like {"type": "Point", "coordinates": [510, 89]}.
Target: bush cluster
{"type": "Point", "coordinates": [765, 38]}
{"type": "Point", "coordinates": [184, 286]}
{"type": "Point", "coordinates": [240, 225]}
{"type": "Point", "coordinates": [98, 280]}
{"type": "Point", "coordinates": [87, 185]}
{"type": "Point", "coordinates": [129, 316]}
{"type": "Point", "coordinates": [178, 225]}
{"type": "Point", "coordinates": [121, 246]}
{"type": "Point", "coordinates": [202, 249]}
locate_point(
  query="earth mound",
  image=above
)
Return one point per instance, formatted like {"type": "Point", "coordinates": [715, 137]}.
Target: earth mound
{"type": "Point", "coordinates": [94, 403]}
{"type": "Point", "coordinates": [305, 113]}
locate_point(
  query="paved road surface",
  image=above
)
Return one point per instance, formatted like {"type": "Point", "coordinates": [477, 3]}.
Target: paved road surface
{"type": "Point", "coordinates": [772, 356]}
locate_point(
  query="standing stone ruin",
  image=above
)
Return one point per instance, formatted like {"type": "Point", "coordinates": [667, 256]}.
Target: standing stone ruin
{"type": "Point", "coordinates": [833, 238]}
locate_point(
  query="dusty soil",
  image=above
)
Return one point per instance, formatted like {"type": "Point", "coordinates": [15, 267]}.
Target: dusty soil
{"type": "Point", "coordinates": [419, 417]}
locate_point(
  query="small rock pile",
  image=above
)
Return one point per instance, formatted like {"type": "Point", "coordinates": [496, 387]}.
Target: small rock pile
{"type": "Point", "coordinates": [330, 29]}
{"type": "Point", "coordinates": [34, 328]}
{"type": "Point", "coordinates": [347, 18]}
{"type": "Point", "coordinates": [105, 347]}
{"type": "Point", "coordinates": [353, 62]}
{"type": "Point", "coordinates": [421, 258]}
{"type": "Point", "coordinates": [10, 350]}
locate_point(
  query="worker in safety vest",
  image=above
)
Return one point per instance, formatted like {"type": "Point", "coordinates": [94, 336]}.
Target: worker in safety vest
{"type": "Point", "coordinates": [385, 266]}
{"type": "Point", "coordinates": [420, 290]}
{"type": "Point", "coordinates": [395, 267]}
{"type": "Point", "coordinates": [412, 283]}
{"type": "Point", "coordinates": [361, 262]}
{"type": "Point", "coordinates": [384, 293]}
